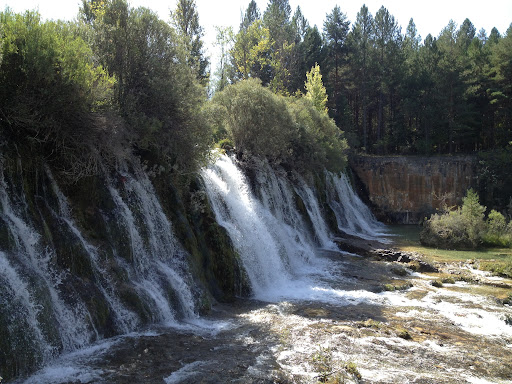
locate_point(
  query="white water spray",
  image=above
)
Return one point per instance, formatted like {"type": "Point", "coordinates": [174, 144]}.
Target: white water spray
{"type": "Point", "coordinates": [125, 319]}
{"type": "Point", "coordinates": [157, 259]}
{"type": "Point", "coordinates": [35, 260]}
{"type": "Point", "coordinates": [352, 215]}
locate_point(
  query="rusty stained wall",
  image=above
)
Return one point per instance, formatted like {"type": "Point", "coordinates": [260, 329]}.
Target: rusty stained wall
{"type": "Point", "coordinates": [405, 189]}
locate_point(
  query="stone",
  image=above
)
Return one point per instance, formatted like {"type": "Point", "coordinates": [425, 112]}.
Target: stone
{"type": "Point", "coordinates": [406, 189]}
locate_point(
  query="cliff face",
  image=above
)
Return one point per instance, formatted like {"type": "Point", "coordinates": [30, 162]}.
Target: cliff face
{"type": "Point", "coordinates": [406, 189]}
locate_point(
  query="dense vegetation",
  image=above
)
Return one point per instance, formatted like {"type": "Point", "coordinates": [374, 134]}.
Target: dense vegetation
{"type": "Point", "coordinates": [83, 95]}
{"type": "Point", "coordinates": [389, 91]}
{"type": "Point", "coordinates": [467, 227]}
{"type": "Point", "coordinates": [119, 82]}
{"type": "Point", "coordinates": [288, 131]}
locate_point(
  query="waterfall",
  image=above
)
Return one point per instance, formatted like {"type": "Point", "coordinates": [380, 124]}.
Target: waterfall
{"type": "Point", "coordinates": [352, 215]}
{"type": "Point", "coordinates": [31, 292]}
{"type": "Point", "coordinates": [319, 225]}
{"type": "Point", "coordinates": [60, 289]}
{"type": "Point", "coordinates": [269, 234]}
{"type": "Point", "coordinates": [126, 320]}
{"type": "Point", "coordinates": [158, 265]}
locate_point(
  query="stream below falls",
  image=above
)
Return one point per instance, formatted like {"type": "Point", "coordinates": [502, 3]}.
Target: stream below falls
{"type": "Point", "coordinates": [335, 324]}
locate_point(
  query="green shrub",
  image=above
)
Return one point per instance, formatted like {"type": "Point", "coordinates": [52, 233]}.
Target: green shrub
{"type": "Point", "coordinates": [284, 130]}
{"type": "Point", "coordinates": [351, 368]}
{"type": "Point", "coordinates": [448, 280]}
{"type": "Point", "coordinates": [500, 269]}
{"type": "Point", "coordinates": [497, 233]}
{"type": "Point", "coordinates": [317, 143]}
{"type": "Point", "coordinates": [257, 120]}
{"type": "Point", "coordinates": [462, 228]}
{"type": "Point", "coordinates": [50, 85]}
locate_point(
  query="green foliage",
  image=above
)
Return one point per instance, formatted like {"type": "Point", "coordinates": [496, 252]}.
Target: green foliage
{"type": "Point", "coordinates": [186, 20]}
{"type": "Point", "coordinates": [318, 142]}
{"type": "Point", "coordinates": [283, 130]}
{"type": "Point", "coordinates": [323, 363]}
{"type": "Point", "coordinates": [351, 369]}
{"type": "Point", "coordinates": [157, 88]}
{"type": "Point", "coordinates": [500, 269]}
{"type": "Point", "coordinates": [50, 86]}
{"type": "Point", "coordinates": [224, 40]}
{"type": "Point", "coordinates": [315, 90]}
{"type": "Point", "coordinates": [473, 214]}
{"type": "Point", "coordinates": [250, 48]}
{"type": "Point", "coordinates": [257, 120]}
{"type": "Point", "coordinates": [495, 178]}
{"type": "Point", "coordinates": [465, 227]}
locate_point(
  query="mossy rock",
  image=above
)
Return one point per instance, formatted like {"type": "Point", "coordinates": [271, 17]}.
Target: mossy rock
{"type": "Point", "coordinates": [130, 298]}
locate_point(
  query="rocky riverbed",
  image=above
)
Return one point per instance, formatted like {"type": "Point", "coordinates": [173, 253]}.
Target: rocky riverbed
{"type": "Point", "coordinates": [374, 320]}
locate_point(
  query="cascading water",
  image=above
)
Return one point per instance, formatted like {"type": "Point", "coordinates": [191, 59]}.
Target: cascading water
{"type": "Point", "coordinates": [40, 321]}
{"type": "Point", "coordinates": [319, 225]}
{"type": "Point", "coordinates": [59, 292]}
{"type": "Point", "coordinates": [273, 239]}
{"type": "Point", "coordinates": [126, 320]}
{"type": "Point", "coordinates": [247, 222]}
{"type": "Point", "coordinates": [352, 215]}
{"type": "Point", "coordinates": [158, 267]}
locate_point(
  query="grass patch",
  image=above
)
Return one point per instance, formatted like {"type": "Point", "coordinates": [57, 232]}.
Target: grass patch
{"type": "Point", "coordinates": [404, 334]}
{"type": "Point", "coordinates": [351, 369]}
{"type": "Point", "coordinates": [501, 268]}
{"type": "Point", "coordinates": [495, 260]}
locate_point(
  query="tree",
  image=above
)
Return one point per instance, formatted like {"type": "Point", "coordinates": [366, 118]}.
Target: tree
{"type": "Point", "coordinates": [224, 39]}
{"type": "Point", "coordinates": [388, 63]}
{"type": "Point", "coordinates": [251, 15]}
{"type": "Point", "coordinates": [501, 97]}
{"type": "Point", "coordinates": [465, 34]}
{"type": "Point", "coordinates": [361, 45]}
{"type": "Point", "coordinates": [300, 24]}
{"type": "Point", "coordinates": [250, 48]}
{"type": "Point", "coordinates": [283, 50]}
{"type": "Point", "coordinates": [473, 216]}
{"type": "Point", "coordinates": [336, 28]}
{"type": "Point", "coordinates": [277, 19]}
{"type": "Point", "coordinates": [51, 90]}
{"type": "Point", "coordinates": [159, 93]}
{"type": "Point", "coordinates": [186, 21]}
{"type": "Point", "coordinates": [315, 90]}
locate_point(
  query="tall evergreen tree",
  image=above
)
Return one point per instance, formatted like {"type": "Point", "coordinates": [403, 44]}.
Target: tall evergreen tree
{"type": "Point", "coordinates": [252, 14]}
{"type": "Point", "coordinates": [300, 25]}
{"type": "Point", "coordinates": [387, 35]}
{"type": "Point", "coordinates": [336, 27]}
{"type": "Point", "coordinates": [361, 61]}
{"type": "Point", "coordinates": [186, 21]}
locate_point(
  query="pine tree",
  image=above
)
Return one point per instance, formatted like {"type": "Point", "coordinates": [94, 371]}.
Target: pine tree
{"type": "Point", "coordinates": [186, 21]}
{"type": "Point", "coordinates": [315, 90]}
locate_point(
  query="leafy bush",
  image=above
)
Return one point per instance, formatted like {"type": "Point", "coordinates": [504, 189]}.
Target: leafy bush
{"type": "Point", "coordinates": [283, 130]}
{"type": "Point", "coordinates": [318, 143]}
{"type": "Point", "coordinates": [466, 228]}
{"type": "Point", "coordinates": [156, 90]}
{"type": "Point", "coordinates": [257, 120]}
{"type": "Point", "coordinates": [49, 86]}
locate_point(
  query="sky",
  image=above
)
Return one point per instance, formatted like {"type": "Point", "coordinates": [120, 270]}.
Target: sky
{"type": "Point", "coordinates": [430, 16]}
